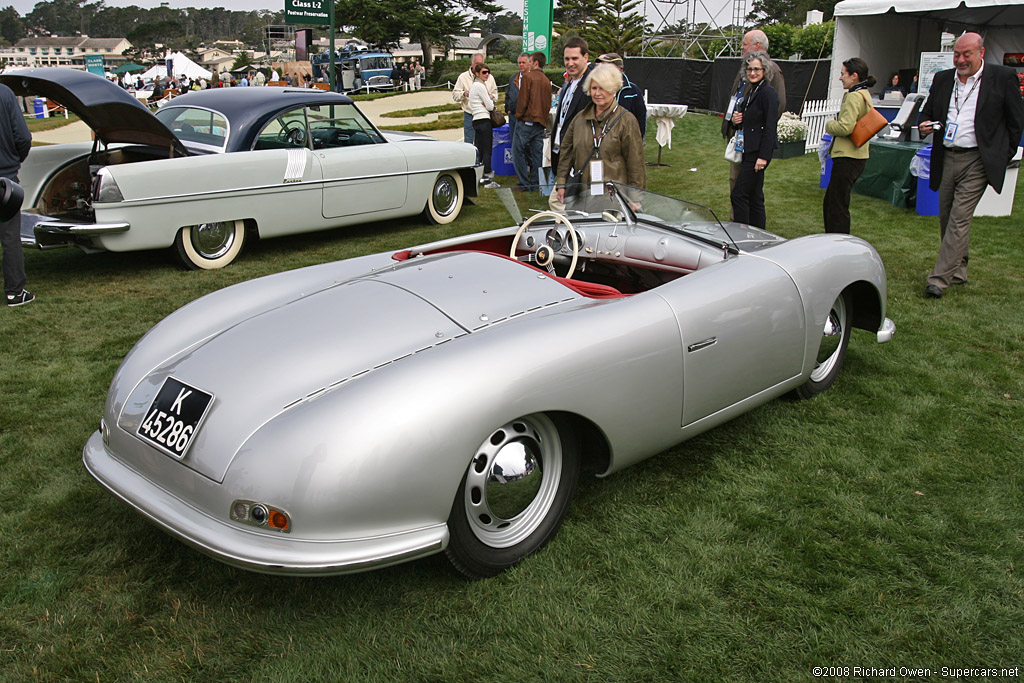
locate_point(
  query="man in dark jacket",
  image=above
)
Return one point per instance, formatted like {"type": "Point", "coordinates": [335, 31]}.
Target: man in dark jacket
{"type": "Point", "coordinates": [571, 99]}
{"type": "Point", "coordinates": [629, 95]}
{"type": "Point", "coordinates": [512, 94]}
{"type": "Point", "coordinates": [977, 111]}
{"type": "Point", "coordinates": [15, 143]}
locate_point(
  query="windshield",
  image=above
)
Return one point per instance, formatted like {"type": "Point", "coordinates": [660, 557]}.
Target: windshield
{"type": "Point", "coordinates": [202, 128]}
{"type": "Point", "coordinates": [635, 206]}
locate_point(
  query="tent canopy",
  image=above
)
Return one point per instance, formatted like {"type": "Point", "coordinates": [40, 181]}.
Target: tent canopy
{"type": "Point", "coordinates": [181, 64]}
{"type": "Point", "coordinates": [128, 67]}
{"type": "Point", "coordinates": [891, 34]}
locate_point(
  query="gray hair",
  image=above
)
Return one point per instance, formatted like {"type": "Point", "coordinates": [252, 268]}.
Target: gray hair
{"type": "Point", "coordinates": [758, 36]}
{"type": "Point", "coordinates": [605, 76]}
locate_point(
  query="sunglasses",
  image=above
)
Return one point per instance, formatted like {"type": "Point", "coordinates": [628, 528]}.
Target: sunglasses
{"type": "Point", "coordinates": [484, 73]}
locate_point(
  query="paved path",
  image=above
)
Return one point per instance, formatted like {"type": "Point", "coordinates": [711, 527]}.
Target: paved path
{"type": "Point", "coordinates": [79, 132]}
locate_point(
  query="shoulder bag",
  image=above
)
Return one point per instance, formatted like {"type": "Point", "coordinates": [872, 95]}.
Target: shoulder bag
{"type": "Point", "coordinates": [867, 125]}
{"type": "Point", "coordinates": [497, 118]}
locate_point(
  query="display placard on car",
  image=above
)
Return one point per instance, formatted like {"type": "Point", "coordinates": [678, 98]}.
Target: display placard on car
{"type": "Point", "coordinates": [174, 417]}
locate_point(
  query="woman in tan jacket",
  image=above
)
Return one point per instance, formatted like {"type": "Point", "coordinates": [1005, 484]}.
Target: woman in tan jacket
{"type": "Point", "coordinates": [603, 143]}
{"type": "Point", "coordinates": [848, 160]}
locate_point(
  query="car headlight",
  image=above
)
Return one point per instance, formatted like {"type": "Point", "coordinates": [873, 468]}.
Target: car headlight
{"type": "Point", "coordinates": [106, 188]}
{"type": "Point", "coordinates": [260, 514]}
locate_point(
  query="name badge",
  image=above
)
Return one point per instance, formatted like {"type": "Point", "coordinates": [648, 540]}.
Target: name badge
{"type": "Point", "coordinates": [732, 107]}
{"type": "Point", "coordinates": [950, 132]}
{"type": "Point", "coordinates": [596, 178]}
{"type": "Point", "coordinates": [739, 141]}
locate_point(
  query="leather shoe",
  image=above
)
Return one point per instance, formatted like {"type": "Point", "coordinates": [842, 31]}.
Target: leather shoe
{"type": "Point", "coordinates": [932, 292]}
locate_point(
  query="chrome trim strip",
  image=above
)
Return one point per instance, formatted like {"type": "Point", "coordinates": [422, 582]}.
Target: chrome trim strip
{"type": "Point", "coordinates": [261, 188]}
{"type": "Point", "coordinates": [887, 332]}
{"type": "Point", "coordinates": [77, 229]}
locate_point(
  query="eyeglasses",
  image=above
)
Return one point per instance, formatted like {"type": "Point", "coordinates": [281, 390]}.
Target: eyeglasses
{"type": "Point", "coordinates": [754, 69]}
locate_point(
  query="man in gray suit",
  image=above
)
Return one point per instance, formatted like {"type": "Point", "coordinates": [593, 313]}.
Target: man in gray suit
{"type": "Point", "coordinates": [977, 110]}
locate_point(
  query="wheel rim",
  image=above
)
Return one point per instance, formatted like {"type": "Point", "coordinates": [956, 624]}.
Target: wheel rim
{"type": "Point", "coordinates": [831, 341]}
{"type": "Point", "coordinates": [445, 195]}
{"type": "Point", "coordinates": [212, 240]}
{"type": "Point", "coordinates": [511, 483]}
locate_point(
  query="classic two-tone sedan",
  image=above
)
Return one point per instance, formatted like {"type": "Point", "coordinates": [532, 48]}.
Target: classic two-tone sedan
{"type": "Point", "coordinates": [212, 168]}
{"type": "Point", "coordinates": [448, 396]}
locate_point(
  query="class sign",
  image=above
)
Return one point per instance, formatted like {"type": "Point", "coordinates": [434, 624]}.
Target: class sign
{"type": "Point", "coordinates": [306, 11]}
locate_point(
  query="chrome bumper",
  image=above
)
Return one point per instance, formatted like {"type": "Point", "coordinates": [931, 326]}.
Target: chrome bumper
{"type": "Point", "coordinates": [887, 331]}
{"type": "Point", "coordinates": [51, 234]}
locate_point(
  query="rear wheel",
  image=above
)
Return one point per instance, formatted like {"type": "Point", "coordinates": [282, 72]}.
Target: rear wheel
{"type": "Point", "coordinates": [514, 495]}
{"type": "Point", "coordinates": [446, 197]}
{"type": "Point", "coordinates": [207, 246]}
{"type": "Point", "coordinates": [835, 339]}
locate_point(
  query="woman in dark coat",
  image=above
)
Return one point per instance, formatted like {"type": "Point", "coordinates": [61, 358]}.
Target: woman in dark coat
{"type": "Point", "coordinates": [756, 119]}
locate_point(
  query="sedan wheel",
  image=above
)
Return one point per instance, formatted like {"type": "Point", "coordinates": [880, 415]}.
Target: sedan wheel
{"type": "Point", "coordinates": [445, 200]}
{"type": "Point", "coordinates": [210, 245]}
{"type": "Point", "coordinates": [514, 495]}
{"type": "Point", "coordinates": [835, 339]}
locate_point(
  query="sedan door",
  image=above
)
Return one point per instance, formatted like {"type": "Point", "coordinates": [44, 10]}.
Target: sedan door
{"type": "Point", "coordinates": [363, 173]}
{"type": "Point", "coordinates": [742, 324]}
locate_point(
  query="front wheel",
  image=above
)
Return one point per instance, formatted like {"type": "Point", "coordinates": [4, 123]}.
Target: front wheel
{"type": "Point", "coordinates": [446, 197]}
{"type": "Point", "coordinates": [514, 495]}
{"type": "Point", "coordinates": [835, 339]}
{"type": "Point", "coordinates": [207, 246]}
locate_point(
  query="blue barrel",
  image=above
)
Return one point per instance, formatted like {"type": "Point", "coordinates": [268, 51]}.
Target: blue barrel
{"type": "Point", "coordinates": [826, 169]}
{"type": "Point", "coordinates": [927, 198]}
{"type": "Point", "coordinates": [40, 107]}
{"type": "Point", "coordinates": [501, 152]}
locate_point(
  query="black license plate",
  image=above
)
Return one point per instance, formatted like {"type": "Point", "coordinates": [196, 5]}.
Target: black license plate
{"type": "Point", "coordinates": [174, 417]}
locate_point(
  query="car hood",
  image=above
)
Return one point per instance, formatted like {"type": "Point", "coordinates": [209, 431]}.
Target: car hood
{"type": "Point", "coordinates": [113, 114]}
{"type": "Point", "coordinates": [279, 359]}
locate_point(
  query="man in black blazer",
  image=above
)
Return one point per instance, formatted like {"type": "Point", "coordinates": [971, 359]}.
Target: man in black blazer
{"type": "Point", "coordinates": [977, 114]}
{"type": "Point", "coordinates": [572, 99]}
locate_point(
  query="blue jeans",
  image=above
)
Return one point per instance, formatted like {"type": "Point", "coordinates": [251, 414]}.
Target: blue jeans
{"type": "Point", "coordinates": [528, 154]}
{"type": "Point", "coordinates": [468, 134]}
{"type": "Point", "coordinates": [511, 118]}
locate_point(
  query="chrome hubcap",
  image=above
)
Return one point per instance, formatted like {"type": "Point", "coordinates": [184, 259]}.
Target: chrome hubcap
{"type": "Point", "coordinates": [832, 338]}
{"type": "Point", "coordinates": [445, 195]}
{"type": "Point", "coordinates": [512, 481]}
{"type": "Point", "coordinates": [213, 240]}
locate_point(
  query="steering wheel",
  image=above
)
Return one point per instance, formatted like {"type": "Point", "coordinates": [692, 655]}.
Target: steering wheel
{"type": "Point", "coordinates": [295, 135]}
{"type": "Point", "coordinates": [545, 255]}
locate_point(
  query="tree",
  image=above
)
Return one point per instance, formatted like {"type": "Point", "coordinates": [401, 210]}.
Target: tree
{"type": "Point", "coordinates": [788, 11]}
{"type": "Point", "coordinates": [780, 39]}
{"type": "Point", "coordinates": [242, 60]}
{"type": "Point", "coordinates": [383, 22]}
{"type": "Point", "coordinates": [617, 28]}
{"type": "Point", "coordinates": [576, 16]}
{"type": "Point", "coordinates": [11, 27]}
{"type": "Point", "coordinates": [509, 23]}
{"type": "Point", "coordinates": [815, 40]}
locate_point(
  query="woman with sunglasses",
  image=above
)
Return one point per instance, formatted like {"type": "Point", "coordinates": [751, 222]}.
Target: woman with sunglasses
{"type": "Point", "coordinates": [482, 104]}
{"type": "Point", "coordinates": [756, 119]}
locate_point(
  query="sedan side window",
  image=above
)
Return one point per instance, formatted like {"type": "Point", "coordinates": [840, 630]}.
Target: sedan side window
{"type": "Point", "coordinates": [340, 125]}
{"type": "Point", "coordinates": [286, 131]}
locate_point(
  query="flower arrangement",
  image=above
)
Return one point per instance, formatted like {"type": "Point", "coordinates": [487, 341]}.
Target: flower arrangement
{"type": "Point", "coordinates": [791, 128]}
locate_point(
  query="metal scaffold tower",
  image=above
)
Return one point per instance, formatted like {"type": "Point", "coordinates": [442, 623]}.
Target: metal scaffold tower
{"type": "Point", "coordinates": [689, 28]}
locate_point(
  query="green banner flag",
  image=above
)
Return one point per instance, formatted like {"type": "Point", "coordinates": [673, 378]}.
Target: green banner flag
{"type": "Point", "coordinates": [306, 11]}
{"type": "Point", "coordinates": [537, 17]}
{"type": "Point", "coordinates": [94, 64]}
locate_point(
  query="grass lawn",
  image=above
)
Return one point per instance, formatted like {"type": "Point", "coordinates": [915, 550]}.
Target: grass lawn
{"type": "Point", "coordinates": [878, 525]}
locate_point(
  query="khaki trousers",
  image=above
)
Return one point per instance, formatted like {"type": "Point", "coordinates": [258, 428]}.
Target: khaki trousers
{"type": "Point", "coordinates": [963, 183]}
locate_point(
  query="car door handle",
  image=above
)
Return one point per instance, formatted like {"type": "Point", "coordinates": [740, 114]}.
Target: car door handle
{"type": "Point", "coordinates": [710, 341]}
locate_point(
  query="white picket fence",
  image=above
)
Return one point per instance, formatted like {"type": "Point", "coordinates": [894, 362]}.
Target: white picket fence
{"type": "Point", "coordinates": [815, 113]}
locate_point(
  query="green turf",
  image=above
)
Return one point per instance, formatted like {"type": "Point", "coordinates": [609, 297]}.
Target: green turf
{"type": "Point", "coordinates": [878, 525]}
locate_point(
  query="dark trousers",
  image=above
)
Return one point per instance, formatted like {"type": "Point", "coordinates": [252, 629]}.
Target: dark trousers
{"type": "Point", "coordinates": [13, 257]}
{"type": "Point", "coordinates": [748, 193]}
{"type": "Point", "coordinates": [528, 154]}
{"type": "Point", "coordinates": [483, 138]}
{"type": "Point", "coordinates": [836, 206]}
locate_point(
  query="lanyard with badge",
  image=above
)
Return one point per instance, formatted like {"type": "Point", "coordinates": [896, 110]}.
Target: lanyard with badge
{"type": "Point", "coordinates": [952, 126]}
{"type": "Point", "coordinates": [596, 165]}
{"type": "Point", "coordinates": [742, 103]}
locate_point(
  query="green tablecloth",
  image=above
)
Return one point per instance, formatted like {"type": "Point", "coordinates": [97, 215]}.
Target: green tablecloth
{"type": "Point", "coordinates": [887, 174]}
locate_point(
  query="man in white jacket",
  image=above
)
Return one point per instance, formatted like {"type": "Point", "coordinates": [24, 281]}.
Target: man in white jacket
{"type": "Point", "coordinates": [461, 95]}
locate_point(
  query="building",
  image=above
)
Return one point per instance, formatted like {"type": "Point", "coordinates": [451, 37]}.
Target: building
{"type": "Point", "coordinates": [69, 51]}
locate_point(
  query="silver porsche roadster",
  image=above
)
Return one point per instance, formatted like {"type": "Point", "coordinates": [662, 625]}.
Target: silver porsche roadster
{"type": "Point", "coordinates": [447, 397]}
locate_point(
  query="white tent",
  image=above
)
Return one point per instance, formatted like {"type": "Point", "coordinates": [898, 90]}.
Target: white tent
{"type": "Point", "coordinates": [891, 34]}
{"type": "Point", "coordinates": [182, 65]}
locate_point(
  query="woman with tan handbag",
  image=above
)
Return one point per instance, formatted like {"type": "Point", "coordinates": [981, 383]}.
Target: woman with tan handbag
{"type": "Point", "coordinates": [848, 158]}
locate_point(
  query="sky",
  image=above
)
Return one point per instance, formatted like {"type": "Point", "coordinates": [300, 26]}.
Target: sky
{"type": "Point", "coordinates": [719, 9]}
